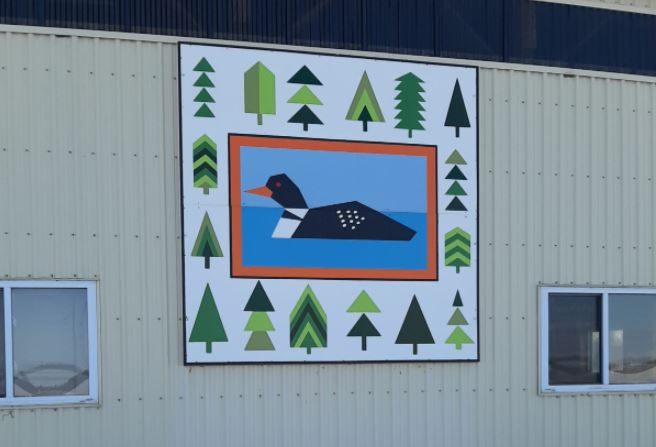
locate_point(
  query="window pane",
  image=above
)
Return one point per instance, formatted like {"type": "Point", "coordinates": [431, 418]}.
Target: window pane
{"type": "Point", "coordinates": [50, 342]}
{"type": "Point", "coordinates": [632, 342]}
{"type": "Point", "coordinates": [574, 340]}
{"type": "Point", "coordinates": [3, 373]}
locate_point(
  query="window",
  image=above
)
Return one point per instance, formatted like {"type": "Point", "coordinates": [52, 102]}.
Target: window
{"type": "Point", "coordinates": [597, 340]}
{"type": "Point", "coordinates": [48, 343]}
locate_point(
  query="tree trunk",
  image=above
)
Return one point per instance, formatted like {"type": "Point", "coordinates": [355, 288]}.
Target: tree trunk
{"type": "Point", "coordinates": [259, 119]}
{"type": "Point", "coordinates": [305, 126]}
{"type": "Point", "coordinates": [409, 133]}
{"type": "Point", "coordinates": [208, 347]}
{"type": "Point", "coordinates": [206, 190]}
{"type": "Point", "coordinates": [207, 262]}
{"type": "Point", "coordinates": [457, 132]}
{"type": "Point", "coordinates": [308, 350]}
{"type": "Point", "coordinates": [414, 349]}
{"type": "Point", "coordinates": [364, 343]}
{"type": "Point", "coordinates": [364, 125]}
{"type": "Point", "coordinates": [457, 269]}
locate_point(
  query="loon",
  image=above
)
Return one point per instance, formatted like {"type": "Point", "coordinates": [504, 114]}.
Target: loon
{"type": "Point", "coordinates": [348, 220]}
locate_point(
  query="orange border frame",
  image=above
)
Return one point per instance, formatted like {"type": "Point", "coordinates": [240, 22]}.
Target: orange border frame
{"type": "Point", "coordinates": [235, 142]}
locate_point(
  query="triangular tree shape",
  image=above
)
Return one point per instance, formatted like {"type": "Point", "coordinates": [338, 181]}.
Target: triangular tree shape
{"type": "Point", "coordinates": [203, 96]}
{"type": "Point", "coordinates": [455, 174]}
{"type": "Point", "coordinates": [455, 159]}
{"type": "Point", "coordinates": [414, 330]}
{"type": "Point", "coordinates": [204, 66]}
{"type": "Point", "coordinates": [363, 328]}
{"type": "Point", "coordinates": [259, 322]}
{"type": "Point", "coordinates": [363, 303]}
{"type": "Point", "coordinates": [455, 190]}
{"type": "Point", "coordinates": [203, 81]}
{"type": "Point", "coordinates": [208, 326]}
{"type": "Point", "coordinates": [457, 300]}
{"type": "Point", "coordinates": [304, 76]}
{"type": "Point", "coordinates": [457, 319]}
{"type": "Point", "coordinates": [207, 245]}
{"type": "Point", "coordinates": [305, 116]}
{"type": "Point", "coordinates": [456, 116]}
{"type": "Point", "coordinates": [204, 164]}
{"type": "Point", "coordinates": [409, 105]}
{"type": "Point", "coordinates": [204, 112]}
{"type": "Point", "coordinates": [458, 338]}
{"type": "Point", "coordinates": [259, 91]}
{"type": "Point", "coordinates": [456, 205]}
{"type": "Point", "coordinates": [304, 96]}
{"type": "Point", "coordinates": [308, 323]}
{"type": "Point", "coordinates": [364, 106]}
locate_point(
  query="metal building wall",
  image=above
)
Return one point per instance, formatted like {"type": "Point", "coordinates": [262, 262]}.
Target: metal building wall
{"type": "Point", "coordinates": [89, 174]}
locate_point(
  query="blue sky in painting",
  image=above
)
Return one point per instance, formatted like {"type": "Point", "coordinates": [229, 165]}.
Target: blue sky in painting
{"type": "Point", "coordinates": [382, 181]}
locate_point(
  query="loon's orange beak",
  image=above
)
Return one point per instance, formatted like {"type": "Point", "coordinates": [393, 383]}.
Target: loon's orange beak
{"type": "Point", "coordinates": [261, 191]}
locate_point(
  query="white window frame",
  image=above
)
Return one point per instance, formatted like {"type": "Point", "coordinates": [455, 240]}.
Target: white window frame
{"type": "Point", "coordinates": [605, 386]}
{"type": "Point", "coordinates": [92, 398]}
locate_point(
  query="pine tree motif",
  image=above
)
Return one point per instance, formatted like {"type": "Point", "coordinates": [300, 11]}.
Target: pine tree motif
{"type": "Point", "coordinates": [456, 188]}
{"type": "Point", "coordinates": [259, 91]}
{"type": "Point", "coordinates": [409, 105]}
{"type": "Point", "coordinates": [204, 82]}
{"type": "Point", "coordinates": [458, 337]}
{"type": "Point", "coordinates": [207, 245]}
{"type": "Point", "coordinates": [363, 328]}
{"type": "Point", "coordinates": [204, 164]}
{"type": "Point", "coordinates": [208, 326]}
{"type": "Point", "coordinates": [259, 323]}
{"type": "Point", "coordinates": [364, 106]}
{"type": "Point", "coordinates": [304, 96]}
{"type": "Point", "coordinates": [456, 116]}
{"type": "Point", "coordinates": [414, 330]}
{"type": "Point", "coordinates": [308, 323]}
{"type": "Point", "coordinates": [457, 248]}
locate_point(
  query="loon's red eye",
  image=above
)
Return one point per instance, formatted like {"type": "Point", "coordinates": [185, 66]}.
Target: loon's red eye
{"type": "Point", "coordinates": [278, 184]}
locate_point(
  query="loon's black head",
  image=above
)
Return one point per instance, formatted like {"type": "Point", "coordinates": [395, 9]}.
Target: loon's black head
{"type": "Point", "coordinates": [283, 190]}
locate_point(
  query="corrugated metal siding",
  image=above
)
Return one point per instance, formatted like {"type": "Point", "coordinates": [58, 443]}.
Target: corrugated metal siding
{"type": "Point", "coordinates": [520, 31]}
{"type": "Point", "coordinates": [89, 169]}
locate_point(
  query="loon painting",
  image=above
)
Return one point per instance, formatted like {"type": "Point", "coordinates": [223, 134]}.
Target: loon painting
{"type": "Point", "coordinates": [347, 220]}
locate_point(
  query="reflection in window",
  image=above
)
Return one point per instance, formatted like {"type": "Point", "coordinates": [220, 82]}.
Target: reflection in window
{"type": "Point", "coordinates": [632, 338]}
{"type": "Point", "coordinates": [3, 373]}
{"type": "Point", "coordinates": [50, 342]}
{"type": "Point", "coordinates": [574, 341]}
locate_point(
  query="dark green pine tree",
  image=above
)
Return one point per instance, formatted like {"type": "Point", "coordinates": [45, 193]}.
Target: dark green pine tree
{"type": "Point", "coordinates": [414, 330]}
{"type": "Point", "coordinates": [363, 328]}
{"type": "Point", "coordinates": [456, 116]}
{"type": "Point", "coordinates": [204, 82]}
{"type": "Point", "coordinates": [308, 323]}
{"type": "Point", "coordinates": [208, 326]}
{"type": "Point", "coordinates": [409, 105]}
{"type": "Point", "coordinates": [305, 97]}
{"type": "Point", "coordinates": [456, 188]}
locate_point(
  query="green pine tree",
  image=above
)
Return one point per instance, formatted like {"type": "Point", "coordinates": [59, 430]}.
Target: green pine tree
{"type": "Point", "coordinates": [259, 323]}
{"type": "Point", "coordinates": [204, 82]}
{"type": "Point", "coordinates": [363, 327]}
{"type": "Point", "coordinates": [207, 245]}
{"type": "Point", "coordinates": [304, 96]}
{"type": "Point", "coordinates": [456, 116]}
{"type": "Point", "coordinates": [458, 337]}
{"type": "Point", "coordinates": [208, 326]}
{"type": "Point", "coordinates": [364, 106]}
{"type": "Point", "coordinates": [308, 323]}
{"type": "Point", "coordinates": [414, 330]}
{"type": "Point", "coordinates": [457, 248]}
{"type": "Point", "coordinates": [456, 188]}
{"type": "Point", "coordinates": [409, 103]}
{"type": "Point", "coordinates": [204, 164]}
{"type": "Point", "coordinates": [259, 91]}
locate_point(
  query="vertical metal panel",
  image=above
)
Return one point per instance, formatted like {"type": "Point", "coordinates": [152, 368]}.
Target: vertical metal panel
{"type": "Point", "coordinates": [89, 169]}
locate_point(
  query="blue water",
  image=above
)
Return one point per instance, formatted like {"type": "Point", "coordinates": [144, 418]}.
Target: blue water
{"type": "Point", "coordinates": [261, 250]}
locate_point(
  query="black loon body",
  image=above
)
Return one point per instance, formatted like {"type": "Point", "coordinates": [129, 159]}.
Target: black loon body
{"type": "Point", "coordinates": [348, 220]}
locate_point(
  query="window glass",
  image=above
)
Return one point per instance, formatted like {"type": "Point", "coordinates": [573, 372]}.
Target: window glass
{"type": "Point", "coordinates": [3, 374]}
{"type": "Point", "coordinates": [632, 338]}
{"type": "Point", "coordinates": [50, 342]}
{"type": "Point", "coordinates": [574, 339]}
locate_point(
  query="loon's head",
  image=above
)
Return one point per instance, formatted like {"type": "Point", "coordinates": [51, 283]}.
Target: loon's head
{"type": "Point", "coordinates": [283, 190]}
